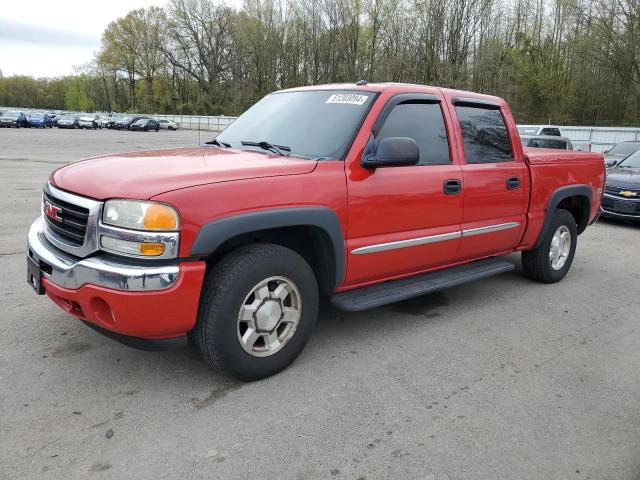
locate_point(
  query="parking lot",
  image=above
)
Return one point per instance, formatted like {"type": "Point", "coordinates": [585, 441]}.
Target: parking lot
{"type": "Point", "coordinates": [499, 379]}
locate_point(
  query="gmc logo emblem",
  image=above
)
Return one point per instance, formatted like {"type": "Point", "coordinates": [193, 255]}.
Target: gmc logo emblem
{"type": "Point", "coordinates": [52, 211]}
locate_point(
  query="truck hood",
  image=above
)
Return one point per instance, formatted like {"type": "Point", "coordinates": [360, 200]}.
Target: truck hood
{"type": "Point", "coordinates": [624, 178]}
{"type": "Point", "coordinates": [142, 175]}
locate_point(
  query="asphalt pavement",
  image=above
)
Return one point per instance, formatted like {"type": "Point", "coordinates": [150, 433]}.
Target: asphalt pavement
{"type": "Point", "coordinates": [498, 379]}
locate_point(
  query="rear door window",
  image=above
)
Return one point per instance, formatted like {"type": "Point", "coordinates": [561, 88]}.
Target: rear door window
{"type": "Point", "coordinates": [485, 135]}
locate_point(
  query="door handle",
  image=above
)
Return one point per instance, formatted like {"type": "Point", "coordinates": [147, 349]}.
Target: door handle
{"type": "Point", "coordinates": [452, 187]}
{"type": "Point", "coordinates": [513, 183]}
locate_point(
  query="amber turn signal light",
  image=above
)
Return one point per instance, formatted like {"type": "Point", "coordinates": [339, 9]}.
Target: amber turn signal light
{"type": "Point", "coordinates": [160, 217]}
{"type": "Point", "coordinates": [151, 249]}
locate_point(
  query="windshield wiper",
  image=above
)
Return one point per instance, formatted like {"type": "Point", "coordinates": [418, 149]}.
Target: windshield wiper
{"type": "Point", "coordinates": [218, 143]}
{"type": "Point", "coordinates": [279, 149]}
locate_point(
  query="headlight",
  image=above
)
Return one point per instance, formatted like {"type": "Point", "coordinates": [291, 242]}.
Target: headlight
{"type": "Point", "coordinates": [139, 229]}
{"type": "Point", "coordinates": [140, 215]}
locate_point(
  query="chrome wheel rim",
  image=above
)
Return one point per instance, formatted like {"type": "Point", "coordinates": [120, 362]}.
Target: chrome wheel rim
{"type": "Point", "coordinates": [560, 247]}
{"type": "Point", "coordinates": [269, 316]}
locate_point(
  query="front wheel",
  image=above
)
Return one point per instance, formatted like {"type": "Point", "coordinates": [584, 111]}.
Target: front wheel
{"type": "Point", "coordinates": [257, 311]}
{"type": "Point", "coordinates": [550, 262]}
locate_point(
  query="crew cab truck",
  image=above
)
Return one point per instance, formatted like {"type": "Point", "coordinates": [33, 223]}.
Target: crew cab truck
{"type": "Point", "coordinates": [365, 193]}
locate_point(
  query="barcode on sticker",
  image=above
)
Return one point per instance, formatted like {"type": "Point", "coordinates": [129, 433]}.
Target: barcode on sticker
{"type": "Point", "coordinates": [348, 98]}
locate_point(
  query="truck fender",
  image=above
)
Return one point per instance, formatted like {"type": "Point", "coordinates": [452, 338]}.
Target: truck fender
{"type": "Point", "coordinates": [215, 233]}
{"type": "Point", "coordinates": [556, 197]}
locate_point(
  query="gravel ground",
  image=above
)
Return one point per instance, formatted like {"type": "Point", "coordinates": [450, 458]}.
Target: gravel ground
{"type": "Point", "coordinates": [499, 379]}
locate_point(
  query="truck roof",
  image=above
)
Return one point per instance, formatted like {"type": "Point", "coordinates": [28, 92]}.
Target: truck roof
{"type": "Point", "coordinates": [397, 87]}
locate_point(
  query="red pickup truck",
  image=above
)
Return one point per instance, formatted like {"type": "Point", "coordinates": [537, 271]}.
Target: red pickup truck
{"type": "Point", "coordinates": [365, 193]}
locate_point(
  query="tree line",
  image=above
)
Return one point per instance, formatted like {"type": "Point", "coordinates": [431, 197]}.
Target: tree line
{"type": "Point", "coordinates": [564, 61]}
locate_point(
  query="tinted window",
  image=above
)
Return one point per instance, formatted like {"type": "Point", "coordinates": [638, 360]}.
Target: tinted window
{"type": "Point", "coordinates": [424, 123]}
{"type": "Point", "coordinates": [485, 135]}
{"type": "Point", "coordinates": [550, 131]}
{"type": "Point", "coordinates": [547, 143]}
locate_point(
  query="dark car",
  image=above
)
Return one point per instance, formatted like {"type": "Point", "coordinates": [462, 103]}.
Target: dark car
{"type": "Point", "coordinates": [619, 152]}
{"type": "Point", "coordinates": [111, 120]}
{"type": "Point", "coordinates": [69, 121]}
{"type": "Point", "coordinates": [40, 119]}
{"type": "Point", "coordinates": [126, 122]}
{"type": "Point", "coordinates": [14, 119]}
{"type": "Point", "coordinates": [546, 141]}
{"type": "Point", "coordinates": [145, 124]}
{"type": "Point", "coordinates": [622, 190]}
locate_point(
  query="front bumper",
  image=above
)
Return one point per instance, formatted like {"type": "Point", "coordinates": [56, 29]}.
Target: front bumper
{"type": "Point", "coordinates": [608, 208]}
{"type": "Point", "coordinates": [130, 300]}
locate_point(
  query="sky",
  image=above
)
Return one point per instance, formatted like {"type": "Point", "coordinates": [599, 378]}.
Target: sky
{"type": "Point", "coordinates": [46, 38]}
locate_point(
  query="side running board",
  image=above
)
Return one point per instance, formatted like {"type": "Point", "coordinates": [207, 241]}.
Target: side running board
{"type": "Point", "coordinates": [403, 289]}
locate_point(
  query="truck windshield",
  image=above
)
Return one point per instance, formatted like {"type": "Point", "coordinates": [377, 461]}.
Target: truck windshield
{"type": "Point", "coordinates": [318, 124]}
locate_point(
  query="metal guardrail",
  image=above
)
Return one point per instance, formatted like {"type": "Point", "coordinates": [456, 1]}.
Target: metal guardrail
{"type": "Point", "coordinates": [199, 122]}
{"type": "Point", "coordinates": [601, 138]}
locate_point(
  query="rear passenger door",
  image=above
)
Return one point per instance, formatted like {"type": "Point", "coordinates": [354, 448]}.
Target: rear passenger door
{"type": "Point", "coordinates": [495, 177]}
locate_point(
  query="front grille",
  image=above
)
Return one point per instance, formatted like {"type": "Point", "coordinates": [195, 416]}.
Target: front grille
{"type": "Point", "coordinates": [73, 226]}
{"type": "Point", "coordinates": [616, 191]}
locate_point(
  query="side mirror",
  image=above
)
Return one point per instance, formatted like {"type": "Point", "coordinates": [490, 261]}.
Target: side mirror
{"type": "Point", "coordinates": [393, 152]}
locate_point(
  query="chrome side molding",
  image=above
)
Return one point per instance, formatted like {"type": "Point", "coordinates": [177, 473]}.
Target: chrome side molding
{"type": "Point", "coordinates": [442, 237]}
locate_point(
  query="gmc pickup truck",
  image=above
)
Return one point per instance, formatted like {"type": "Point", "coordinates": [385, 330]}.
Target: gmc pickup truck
{"type": "Point", "coordinates": [367, 194]}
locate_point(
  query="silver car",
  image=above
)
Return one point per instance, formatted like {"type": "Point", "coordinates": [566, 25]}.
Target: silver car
{"type": "Point", "coordinates": [89, 121]}
{"type": "Point", "coordinates": [168, 124]}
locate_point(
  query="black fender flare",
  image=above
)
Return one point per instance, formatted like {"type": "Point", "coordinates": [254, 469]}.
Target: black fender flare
{"type": "Point", "coordinates": [215, 233]}
{"type": "Point", "coordinates": [556, 197]}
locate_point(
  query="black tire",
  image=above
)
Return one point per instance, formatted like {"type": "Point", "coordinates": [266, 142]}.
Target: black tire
{"type": "Point", "coordinates": [225, 288]}
{"type": "Point", "coordinates": [536, 263]}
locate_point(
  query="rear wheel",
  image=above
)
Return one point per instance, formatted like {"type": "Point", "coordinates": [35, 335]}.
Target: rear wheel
{"type": "Point", "coordinates": [257, 310]}
{"type": "Point", "coordinates": [550, 262]}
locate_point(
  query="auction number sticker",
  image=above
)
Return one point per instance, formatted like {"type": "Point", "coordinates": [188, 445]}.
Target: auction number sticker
{"type": "Point", "coordinates": [347, 98]}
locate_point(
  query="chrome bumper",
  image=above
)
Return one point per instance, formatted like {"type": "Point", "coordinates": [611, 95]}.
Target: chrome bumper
{"type": "Point", "coordinates": [104, 271]}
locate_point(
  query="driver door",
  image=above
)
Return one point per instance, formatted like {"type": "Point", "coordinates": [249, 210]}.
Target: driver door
{"type": "Point", "coordinates": [403, 220]}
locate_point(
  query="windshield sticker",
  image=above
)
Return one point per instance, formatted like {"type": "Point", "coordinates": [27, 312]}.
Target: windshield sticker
{"type": "Point", "coordinates": [347, 98]}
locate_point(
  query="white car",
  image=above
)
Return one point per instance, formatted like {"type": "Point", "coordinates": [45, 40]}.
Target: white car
{"type": "Point", "coordinates": [168, 124]}
{"type": "Point", "coordinates": [89, 121]}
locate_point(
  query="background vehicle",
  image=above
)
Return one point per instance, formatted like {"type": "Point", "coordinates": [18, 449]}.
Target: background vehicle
{"type": "Point", "coordinates": [56, 118]}
{"type": "Point", "coordinates": [369, 194]}
{"type": "Point", "coordinates": [126, 122]}
{"type": "Point", "coordinates": [14, 119]}
{"type": "Point", "coordinates": [554, 131]}
{"type": "Point", "coordinates": [88, 121]}
{"type": "Point", "coordinates": [145, 124]}
{"type": "Point", "coordinates": [40, 119]}
{"type": "Point", "coordinates": [535, 130]}
{"type": "Point", "coordinates": [619, 152]}
{"type": "Point", "coordinates": [546, 141]}
{"type": "Point", "coordinates": [69, 121]}
{"type": "Point", "coordinates": [622, 191]}
{"type": "Point", "coordinates": [166, 124]}
{"type": "Point", "coordinates": [111, 121]}
{"type": "Point", "coordinates": [103, 121]}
